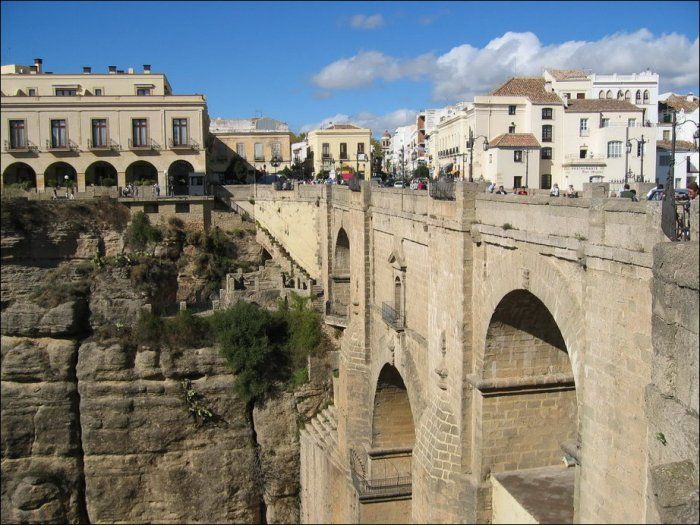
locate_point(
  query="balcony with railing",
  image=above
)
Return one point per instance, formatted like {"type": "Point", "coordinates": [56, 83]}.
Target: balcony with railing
{"type": "Point", "coordinates": [188, 144]}
{"type": "Point", "coordinates": [68, 145]}
{"type": "Point", "coordinates": [382, 473]}
{"type": "Point", "coordinates": [147, 145]}
{"type": "Point", "coordinates": [392, 317]}
{"type": "Point", "coordinates": [110, 145]}
{"type": "Point", "coordinates": [21, 147]}
{"type": "Point", "coordinates": [337, 314]}
{"type": "Point", "coordinates": [589, 159]}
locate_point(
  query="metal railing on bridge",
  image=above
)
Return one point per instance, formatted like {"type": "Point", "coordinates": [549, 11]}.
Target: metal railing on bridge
{"type": "Point", "coordinates": [442, 189]}
{"type": "Point", "coordinates": [398, 485]}
{"type": "Point", "coordinates": [392, 317]}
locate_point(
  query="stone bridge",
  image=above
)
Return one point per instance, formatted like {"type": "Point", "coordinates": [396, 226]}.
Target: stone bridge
{"type": "Point", "coordinates": [495, 352]}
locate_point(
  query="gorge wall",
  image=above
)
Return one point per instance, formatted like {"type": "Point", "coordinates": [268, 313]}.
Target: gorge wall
{"type": "Point", "coordinates": [97, 431]}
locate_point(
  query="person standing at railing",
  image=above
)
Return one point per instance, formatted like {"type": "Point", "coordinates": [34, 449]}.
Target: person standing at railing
{"type": "Point", "coordinates": [555, 190]}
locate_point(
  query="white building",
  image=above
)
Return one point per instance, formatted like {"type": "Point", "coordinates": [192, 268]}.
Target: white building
{"type": "Point", "coordinates": [402, 145]}
{"type": "Point", "coordinates": [300, 151]}
{"type": "Point", "coordinates": [537, 137]}
{"type": "Point", "coordinates": [686, 158]}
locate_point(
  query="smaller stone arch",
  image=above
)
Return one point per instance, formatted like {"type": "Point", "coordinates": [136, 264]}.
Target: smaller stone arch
{"type": "Point", "coordinates": [19, 173]}
{"type": "Point", "coordinates": [646, 96]}
{"type": "Point", "coordinates": [178, 174]}
{"type": "Point", "coordinates": [628, 95]}
{"type": "Point", "coordinates": [392, 418]}
{"type": "Point", "coordinates": [620, 95]}
{"type": "Point", "coordinates": [601, 94]}
{"type": "Point", "coordinates": [60, 174]}
{"type": "Point", "coordinates": [142, 173]}
{"type": "Point", "coordinates": [609, 94]}
{"type": "Point", "coordinates": [341, 254]}
{"type": "Point", "coordinates": [638, 97]}
{"type": "Point", "coordinates": [101, 173]}
{"type": "Point", "coordinates": [340, 276]}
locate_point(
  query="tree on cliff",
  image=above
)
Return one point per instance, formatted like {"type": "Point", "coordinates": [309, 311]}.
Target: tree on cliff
{"type": "Point", "coordinates": [253, 341]}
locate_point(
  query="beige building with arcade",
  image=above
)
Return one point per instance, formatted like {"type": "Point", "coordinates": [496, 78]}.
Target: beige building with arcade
{"type": "Point", "coordinates": [99, 129]}
{"type": "Point", "coordinates": [339, 146]}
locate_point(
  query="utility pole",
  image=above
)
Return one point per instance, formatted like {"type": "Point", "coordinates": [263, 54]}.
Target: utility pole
{"type": "Point", "coordinates": [627, 140]}
{"type": "Point", "coordinates": [642, 161]}
{"type": "Point", "coordinates": [668, 206]}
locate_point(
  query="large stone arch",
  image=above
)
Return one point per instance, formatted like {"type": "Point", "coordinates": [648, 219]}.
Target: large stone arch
{"type": "Point", "coordinates": [141, 171]}
{"type": "Point", "coordinates": [178, 174]}
{"type": "Point", "coordinates": [392, 417]}
{"type": "Point", "coordinates": [555, 289]}
{"type": "Point", "coordinates": [101, 173]}
{"type": "Point", "coordinates": [19, 173]}
{"type": "Point", "coordinates": [57, 173]}
{"type": "Point", "coordinates": [529, 415]}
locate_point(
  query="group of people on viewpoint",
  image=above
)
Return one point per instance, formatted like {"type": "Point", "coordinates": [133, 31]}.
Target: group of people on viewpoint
{"type": "Point", "coordinates": [654, 194]}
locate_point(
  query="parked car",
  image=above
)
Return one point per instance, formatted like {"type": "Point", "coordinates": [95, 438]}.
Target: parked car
{"type": "Point", "coordinates": [399, 184]}
{"type": "Point", "coordinates": [658, 194]}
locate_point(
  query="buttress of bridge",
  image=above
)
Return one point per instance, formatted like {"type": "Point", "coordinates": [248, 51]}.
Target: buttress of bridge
{"type": "Point", "coordinates": [323, 430]}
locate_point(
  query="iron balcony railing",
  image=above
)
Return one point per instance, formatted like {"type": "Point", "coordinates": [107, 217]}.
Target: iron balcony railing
{"type": "Point", "coordinates": [188, 144]}
{"type": "Point", "coordinates": [69, 145]}
{"type": "Point", "coordinates": [25, 147]}
{"type": "Point", "coordinates": [110, 145]}
{"type": "Point", "coordinates": [442, 189]}
{"type": "Point", "coordinates": [392, 317]}
{"type": "Point", "coordinates": [150, 144]}
{"type": "Point", "coordinates": [399, 485]}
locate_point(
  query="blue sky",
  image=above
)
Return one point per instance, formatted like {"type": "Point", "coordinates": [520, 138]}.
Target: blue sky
{"type": "Point", "coordinates": [374, 63]}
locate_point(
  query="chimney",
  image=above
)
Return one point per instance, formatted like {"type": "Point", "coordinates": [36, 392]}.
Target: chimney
{"type": "Point", "coordinates": [32, 70]}
{"type": "Point", "coordinates": [37, 63]}
{"type": "Point", "coordinates": [130, 70]}
{"type": "Point", "coordinates": [147, 69]}
{"type": "Point", "coordinates": [112, 70]}
{"type": "Point", "coordinates": [87, 69]}
{"type": "Point", "coordinates": [690, 97]}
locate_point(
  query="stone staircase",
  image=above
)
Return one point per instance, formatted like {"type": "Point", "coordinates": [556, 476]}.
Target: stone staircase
{"type": "Point", "coordinates": [318, 299]}
{"type": "Point", "coordinates": [323, 430]}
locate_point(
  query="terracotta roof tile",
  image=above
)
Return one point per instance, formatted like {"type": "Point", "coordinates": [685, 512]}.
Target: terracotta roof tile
{"type": "Point", "coordinates": [681, 145]}
{"type": "Point", "coordinates": [514, 140]}
{"type": "Point", "coordinates": [568, 74]}
{"type": "Point", "coordinates": [530, 87]}
{"type": "Point", "coordinates": [595, 105]}
{"type": "Point", "coordinates": [680, 102]}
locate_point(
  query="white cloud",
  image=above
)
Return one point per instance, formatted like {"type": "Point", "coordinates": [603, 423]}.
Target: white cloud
{"type": "Point", "coordinates": [465, 71]}
{"type": "Point", "coordinates": [366, 119]}
{"type": "Point", "coordinates": [367, 21]}
{"type": "Point", "coordinates": [367, 66]}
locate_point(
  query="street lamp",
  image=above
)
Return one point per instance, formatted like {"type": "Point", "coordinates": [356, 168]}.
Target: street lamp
{"type": "Point", "coordinates": [470, 145]}
{"type": "Point", "coordinates": [275, 162]}
{"type": "Point", "coordinates": [629, 150]}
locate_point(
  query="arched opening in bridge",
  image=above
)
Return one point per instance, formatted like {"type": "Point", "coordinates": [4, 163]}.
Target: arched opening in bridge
{"type": "Point", "coordinates": [340, 276]}
{"type": "Point", "coordinates": [384, 480]}
{"type": "Point", "coordinates": [141, 173]}
{"type": "Point", "coordinates": [101, 173]}
{"type": "Point", "coordinates": [21, 174]}
{"type": "Point", "coordinates": [60, 174]}
{"type": "Point", "coordinates": [529, 411]}
{"type": "Point", "coordinates": [178, 173]}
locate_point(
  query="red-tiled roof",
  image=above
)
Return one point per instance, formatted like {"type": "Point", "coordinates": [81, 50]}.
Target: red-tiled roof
{"type": "Point", "coordinates": [568, 74]}
{"type": "Point", "coordinates": [595, 105]}
{"type": "Point", "coordinates": [514, 140]}
{"type": "Point", "coordinates": [681, 102]}
{"type": "Point", "coordinates": [530, 87]}
{"type": "Point", "coordinates": [681, 145]}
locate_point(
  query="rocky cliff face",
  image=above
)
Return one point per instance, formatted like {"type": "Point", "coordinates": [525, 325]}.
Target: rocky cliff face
{"type": "Point", "coordinates": [96, 431]}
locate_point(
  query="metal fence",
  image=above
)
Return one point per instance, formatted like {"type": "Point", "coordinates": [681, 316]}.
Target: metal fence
{"type": "Point", "coordinates": [442, 189]}
{"type": "Point", "coordinates": [391, 316]}
{"type": "Point", "coordinates": [389, 486]}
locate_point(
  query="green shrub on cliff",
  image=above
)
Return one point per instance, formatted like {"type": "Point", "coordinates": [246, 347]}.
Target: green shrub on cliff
{"type": "Point", "coordinates": [253, 341]}
{"type": "Point", "coordinates": [141, 232]}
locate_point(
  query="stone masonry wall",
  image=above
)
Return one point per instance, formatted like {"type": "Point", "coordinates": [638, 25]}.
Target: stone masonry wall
{"type": "Point", "coordinates": [672, 394]}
